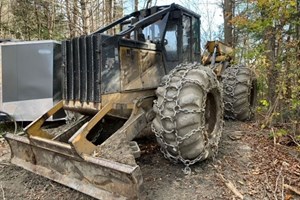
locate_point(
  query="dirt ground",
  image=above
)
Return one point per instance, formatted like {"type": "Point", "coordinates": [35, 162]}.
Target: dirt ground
{"type": "Point", "coordinates": [248, 165]}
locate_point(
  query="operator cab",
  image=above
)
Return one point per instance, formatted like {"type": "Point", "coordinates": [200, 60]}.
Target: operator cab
{"type": "Point", "coordinates": [176, 33]}
{"type": "Point", "coordinates": [149, 43]}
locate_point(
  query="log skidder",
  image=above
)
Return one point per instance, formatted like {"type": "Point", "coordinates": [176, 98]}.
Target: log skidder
{"type": "Point", "coordinates": [239, 91]}
{"type": "Point", "coordinates": [189, 114]}
{"type": "Point", "coordinates": [111, 80]}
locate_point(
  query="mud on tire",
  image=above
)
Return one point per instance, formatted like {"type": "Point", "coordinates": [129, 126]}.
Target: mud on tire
{"type": "Point", "coordinates": [239, 92]}
{"type": "Point", "coordinates": [189, 114]}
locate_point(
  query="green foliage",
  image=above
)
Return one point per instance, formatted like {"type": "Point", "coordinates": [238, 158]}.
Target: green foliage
{"type": "Point", "coordinates": [269, 38]}
{"type": "Point", "coordinates": [54, 19]}
{"type": "Point", "coordinates": [264, 102]}
{"type": "Point", "coordinates": [278, 133]}
{"type": "Point", "coordinates": [36, 19]}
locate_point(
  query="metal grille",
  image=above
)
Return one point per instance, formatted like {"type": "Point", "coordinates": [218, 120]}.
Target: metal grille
{"type": "Point", "coordinates": [81, 62]}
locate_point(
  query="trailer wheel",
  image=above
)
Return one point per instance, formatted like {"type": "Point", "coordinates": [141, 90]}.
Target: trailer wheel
{"type": "Point", "coordinates": [240, 92]}
{"type": "Point", "coordinates": [189, 114]}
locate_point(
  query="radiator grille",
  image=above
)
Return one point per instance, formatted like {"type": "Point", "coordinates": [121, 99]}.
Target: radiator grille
{"type": "Point", "coordinates": [81, 62]}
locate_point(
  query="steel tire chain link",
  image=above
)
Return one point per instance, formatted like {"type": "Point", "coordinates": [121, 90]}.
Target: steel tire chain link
{"type": "Point", "coordinates": [232, 75]}
{"type": "Point", "coordinates": [186, 68]}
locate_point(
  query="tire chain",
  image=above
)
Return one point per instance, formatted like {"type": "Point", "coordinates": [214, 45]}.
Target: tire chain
{"type": "Point", "coordinates": [229, 90]}
{"type": "Point", "coordinates": [186, 68]}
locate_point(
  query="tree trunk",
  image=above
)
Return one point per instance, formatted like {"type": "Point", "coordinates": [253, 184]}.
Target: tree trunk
{"type": "Point", "coordinates": [298, 31]}
{"type": "Point", "coordinates": [228, 29]}
{"type": "Point", "coordinates": [52, 18]}
{"type": "Point", "coordinates": [1, 6]}
{"type": "Point", "coordinates": [38, 20]}
{"type": "Point", "coordinates": [136, 5]}
{"type": "Point", "coordinates": [75, 18]}
{"type": "Point", "coordinates": [269, 39]}
{"type": "Point", "coordinates": [109, 14]}
{"type": "Point", "coordinates": [50, 12]}
{"type": "Point", "coordinates": [85, 16]}
{"type": "Point", "coordinates": [68, 11]}
{"type": "Point", "coordinates": [272, 73]}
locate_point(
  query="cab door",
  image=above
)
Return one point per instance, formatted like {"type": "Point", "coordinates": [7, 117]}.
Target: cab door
{"type": "Point", "coordinates": [186, 50]}
{"type": "Point", "coordinates": [181, 42]}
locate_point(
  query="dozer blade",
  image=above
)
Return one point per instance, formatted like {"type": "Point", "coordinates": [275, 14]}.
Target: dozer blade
{"type": "Point", "coordinates": [99, 178]}
{"type": "Point", "coordinates": [68, 161]}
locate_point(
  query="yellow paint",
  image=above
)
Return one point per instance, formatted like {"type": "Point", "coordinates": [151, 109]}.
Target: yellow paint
{"type": "Point", "coordinates": [34, 129]}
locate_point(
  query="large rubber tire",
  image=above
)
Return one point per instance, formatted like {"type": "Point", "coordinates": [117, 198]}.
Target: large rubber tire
{"type": "Point", "coordinates": [189, 114]}
{"type": "Point", "coordinates": [240, 92]}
